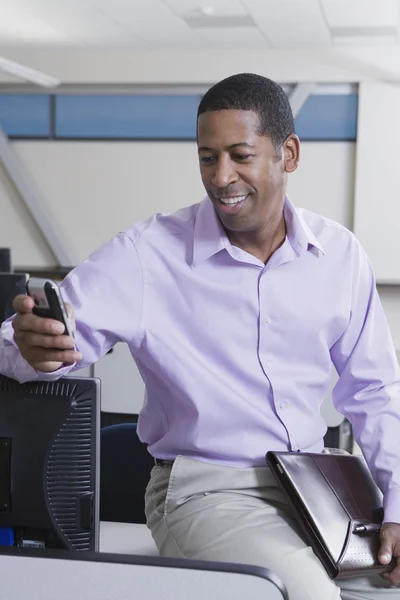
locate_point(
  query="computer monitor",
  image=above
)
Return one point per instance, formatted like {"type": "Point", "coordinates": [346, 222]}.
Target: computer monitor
{"type": "Point", "coordinates": [49, 462]}
{"type": "Point", "coordinates": [11, 284]}
{"type": "Point", "coordinates": [5, 260]}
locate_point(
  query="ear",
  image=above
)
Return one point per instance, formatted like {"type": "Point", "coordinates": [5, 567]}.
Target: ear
{"type": "Point", "coordinates": [291, 153]}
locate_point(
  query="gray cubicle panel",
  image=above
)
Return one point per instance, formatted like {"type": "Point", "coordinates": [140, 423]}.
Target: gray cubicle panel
{"type": "Point", "coordinates": [329, 413]}
{"type": "Point", "coordinates": [47, 575]}
{"type": "Point", "coordinates": [122, 388]}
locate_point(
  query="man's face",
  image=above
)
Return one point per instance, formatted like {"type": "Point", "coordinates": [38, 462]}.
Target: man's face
{"type": "Point", "coordinates": [243, 173]}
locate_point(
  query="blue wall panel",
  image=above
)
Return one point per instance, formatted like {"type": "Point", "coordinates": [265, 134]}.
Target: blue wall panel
{"type": "Point", "coordinates": [328, 117]}
{"type": "Point", "coordinates": [25, 115]}
{"type": "Point", "coordinates": [140, 116]}
{"type": "Point", "coordinates": [91, 116]}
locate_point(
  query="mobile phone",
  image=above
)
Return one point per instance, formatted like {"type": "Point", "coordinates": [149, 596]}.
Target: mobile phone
{"type": "Point", "coordinates": [48, 301]}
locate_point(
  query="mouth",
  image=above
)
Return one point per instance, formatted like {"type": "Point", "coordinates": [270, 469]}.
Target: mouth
{"type": "Point", "coordinates": [230, 205]}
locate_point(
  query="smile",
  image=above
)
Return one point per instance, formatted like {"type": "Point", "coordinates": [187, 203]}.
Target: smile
{"type": "Point", "coordinates": [231, 205]}
{"type": "Point", "coordinates": [232, 200]}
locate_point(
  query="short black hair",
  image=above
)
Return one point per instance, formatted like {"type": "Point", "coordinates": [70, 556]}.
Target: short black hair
{"type": "Point", "coordinates": [248, 91]}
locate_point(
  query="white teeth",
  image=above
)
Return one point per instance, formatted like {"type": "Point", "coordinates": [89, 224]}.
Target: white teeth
{"type": "Point", "coordinates": [232, 201]}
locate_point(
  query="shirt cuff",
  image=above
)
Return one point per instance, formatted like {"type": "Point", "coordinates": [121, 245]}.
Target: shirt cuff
{"type": "Point", "coordinates": [14, 365]}
{"type": "Point", "coordinates": [391, 505]}
{"type": "Point", "coordinates": [23, 372]}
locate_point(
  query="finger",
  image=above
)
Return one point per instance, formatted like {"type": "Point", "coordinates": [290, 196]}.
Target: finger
{"type": "Point", "coordinates": [23, 304]}
{"type": "Point", "coordinates": [33, 323]}
{"type": "Point", "coordinates": [393, 577]}
{"type": "Point", "coordinates": [37, 356]}
{"type": "Point", "coordinates": [385, 553]}
{"type": "Point", "coordinates": [39, 340]}
{"type": "Point", "coordinates": [48, 367]}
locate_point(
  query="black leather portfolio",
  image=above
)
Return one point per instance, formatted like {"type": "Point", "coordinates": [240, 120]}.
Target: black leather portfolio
{"type": "Point", "coordinates": [337, 504]}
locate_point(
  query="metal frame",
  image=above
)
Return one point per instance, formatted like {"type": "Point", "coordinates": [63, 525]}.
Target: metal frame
{"type": "Point", "coordinates": [156, 88]}
{"type": "Point", "coordinates": [34, 203]}
{"type": "Point", "coordinates": [300, 95]}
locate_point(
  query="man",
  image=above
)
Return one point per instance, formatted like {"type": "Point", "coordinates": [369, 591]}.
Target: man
{"type": "Point", "coordinates": [234, 310]}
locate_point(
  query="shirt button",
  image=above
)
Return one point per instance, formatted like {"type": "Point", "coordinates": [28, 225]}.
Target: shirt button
{"type": "Point", "coordinates": [283, 405]}
{"type": "Point", "coordinates": [268, 320]}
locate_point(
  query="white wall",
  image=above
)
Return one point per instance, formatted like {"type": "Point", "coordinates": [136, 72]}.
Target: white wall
{"type": "Point", "coordinates": [92, 190]}
{"type": "Point", "coordinates": [377, 208]}
{"type": "Point", "coordinates": [324, 181]}
{"type": "Point", "coordinates": [390, 297]}
{"type": "Point", "coordinates": [17, 229]}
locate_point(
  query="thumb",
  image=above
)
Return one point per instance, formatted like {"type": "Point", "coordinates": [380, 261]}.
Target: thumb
{"type": "Point", "coordinates": [385, 553]}
{"type": "Point", "coordinates": [23, 304]}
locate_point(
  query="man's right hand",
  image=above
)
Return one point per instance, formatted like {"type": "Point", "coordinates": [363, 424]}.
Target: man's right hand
{"type": "Point", "coordinates": [41, 341]}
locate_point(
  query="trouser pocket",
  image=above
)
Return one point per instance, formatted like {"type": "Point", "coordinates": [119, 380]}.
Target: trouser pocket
{"type": "Point", "coordinates": [159, 491]}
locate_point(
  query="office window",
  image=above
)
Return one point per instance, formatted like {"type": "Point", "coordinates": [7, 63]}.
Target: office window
{"type": "Point", "coordinates": [25, 115]}
{"type": "Point", "coordinates": [130, 117]}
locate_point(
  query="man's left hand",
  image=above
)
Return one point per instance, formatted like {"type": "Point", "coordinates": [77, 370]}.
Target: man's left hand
{"type": "Point", "coordinates": [390, 550]}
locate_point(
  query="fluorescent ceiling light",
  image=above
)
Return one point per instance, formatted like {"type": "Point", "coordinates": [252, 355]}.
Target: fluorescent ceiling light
{"type": "Point", "coordinates": [28, 74]}
{"type": "Point", "coordinates": [363, 31]}
{"type": "Point", "coordinates": [219, 22]}
{"type": "Point", "coordinates": [358, 36]}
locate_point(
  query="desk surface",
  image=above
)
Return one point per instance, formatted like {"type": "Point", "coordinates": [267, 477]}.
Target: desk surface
{"type": "Point", "coordinates": [126, 538]}
{"type": "Point", "coordinates": [50, 575]}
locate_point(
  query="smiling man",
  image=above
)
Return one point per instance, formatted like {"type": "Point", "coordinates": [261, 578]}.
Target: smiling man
{"type": "Point", "coordinates": [243, 167]}
{"type": "Point", "coordinates": [234, 310]}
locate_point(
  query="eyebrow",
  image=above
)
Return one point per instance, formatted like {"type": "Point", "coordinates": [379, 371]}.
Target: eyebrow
{"type": "Point", "coordinates": [231, 147]}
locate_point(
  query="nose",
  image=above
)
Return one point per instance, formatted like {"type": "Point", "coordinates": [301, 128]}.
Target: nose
{"type": "Point", "coordinates": [225, 172]}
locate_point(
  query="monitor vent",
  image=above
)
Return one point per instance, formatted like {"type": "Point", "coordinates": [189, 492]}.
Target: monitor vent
{"type": "Point", "coordinates": [38, 388]}
{"type": "Point", "coordinates": [69, 475]}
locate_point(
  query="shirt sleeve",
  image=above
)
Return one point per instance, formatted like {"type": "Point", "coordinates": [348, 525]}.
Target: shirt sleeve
{"type": "Point", "coordinates": [106, 292]}
{"type": "Point", "coordinates": [368, 389]}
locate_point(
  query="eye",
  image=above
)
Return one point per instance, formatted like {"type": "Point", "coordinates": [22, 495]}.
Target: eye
{"type": "Point", "coordinates": [242, 156]}
{"type": "Point", "coordinates": [207, 160]}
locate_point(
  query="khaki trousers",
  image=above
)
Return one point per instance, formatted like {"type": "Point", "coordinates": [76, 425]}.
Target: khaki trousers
{"type": "Point", "coordinates": [209, 512]}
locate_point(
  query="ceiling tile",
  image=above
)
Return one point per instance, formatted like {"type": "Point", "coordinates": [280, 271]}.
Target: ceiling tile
{"type": "Point", "coordinates": [290, 23]}
{"type": "Point", "coordinates": [233, 36]}
{"type": "Point", "coordinates": [167, 37]}
{"type": "Point", "coordinates": [130, 11]}
{"type": "Point", "coordinates": [214, 8]}
{"type": "Point", "coordinates": [17, 26]}
{"type": "Point", "coordinates": [361, 13]}
{"type": "Point", "coordinates": [150, 20]}
{"type": "Point", "coordinates": [79, 20]}
{"type": "Point", "coordinates": [158, 30]}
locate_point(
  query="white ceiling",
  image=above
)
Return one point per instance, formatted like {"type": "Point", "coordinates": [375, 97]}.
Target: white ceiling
{"type": "Point", "coordinates": [196, 23]}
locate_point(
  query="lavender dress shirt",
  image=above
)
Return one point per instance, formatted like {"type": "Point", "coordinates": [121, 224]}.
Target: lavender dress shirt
{"type": "Point", "coordinates": [236, 355]}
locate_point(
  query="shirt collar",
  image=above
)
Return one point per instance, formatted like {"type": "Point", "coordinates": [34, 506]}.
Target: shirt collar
{"type": "Point", "coordinates": [299, 233]}
{"type": "Point", "coordinates": [210, 237]}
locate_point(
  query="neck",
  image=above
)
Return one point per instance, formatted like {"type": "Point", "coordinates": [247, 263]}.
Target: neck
{"type": "Point", "coordinates": [261, 243]}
